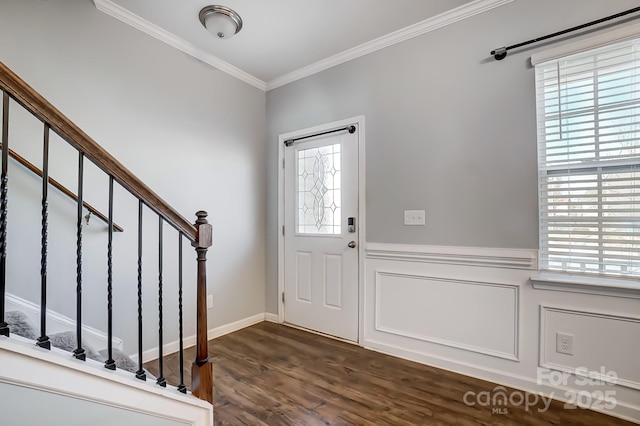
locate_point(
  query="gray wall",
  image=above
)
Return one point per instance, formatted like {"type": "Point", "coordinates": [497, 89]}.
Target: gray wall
{"type": "Point", "coordinates": [194, 134]}
{"type": "Point", "coordinates": [448, 129]}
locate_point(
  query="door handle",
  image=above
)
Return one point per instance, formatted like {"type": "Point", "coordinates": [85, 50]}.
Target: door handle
{"type": "Point", "coordinates": [352, 244]}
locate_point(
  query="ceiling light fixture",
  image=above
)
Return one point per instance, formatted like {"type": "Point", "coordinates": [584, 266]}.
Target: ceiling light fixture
{"type": "Point", "coordinates": [221, 21]}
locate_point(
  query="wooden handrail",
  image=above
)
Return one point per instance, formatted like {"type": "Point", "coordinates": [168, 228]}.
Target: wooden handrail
{"type": "Point", "coordinates": [66, 191]}
{"type": "Point", "coordinates": [42, 109]}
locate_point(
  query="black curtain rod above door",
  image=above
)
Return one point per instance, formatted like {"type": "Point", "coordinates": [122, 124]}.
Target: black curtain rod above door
{"type": "Point", "coordinates": [290, 142]}
{"type": "Point", "coordinates": [501, 52]}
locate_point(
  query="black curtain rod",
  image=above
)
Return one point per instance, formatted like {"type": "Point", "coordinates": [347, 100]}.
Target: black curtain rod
{"type": "Point", "coordinates": [501, 52]}
{"type": "Point", "coordinates": [290, 142]}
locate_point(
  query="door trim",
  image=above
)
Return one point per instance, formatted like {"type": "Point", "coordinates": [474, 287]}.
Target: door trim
{"type": "Point", "coordinates": [359, 121]}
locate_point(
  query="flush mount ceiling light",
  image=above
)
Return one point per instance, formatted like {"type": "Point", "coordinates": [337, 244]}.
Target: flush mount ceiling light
{"type": "Point", "coordinates": [220, 21]}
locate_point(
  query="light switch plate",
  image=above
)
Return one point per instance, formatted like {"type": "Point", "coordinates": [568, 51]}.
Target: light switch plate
{"type": "Point", "coordinates": [414, 217]}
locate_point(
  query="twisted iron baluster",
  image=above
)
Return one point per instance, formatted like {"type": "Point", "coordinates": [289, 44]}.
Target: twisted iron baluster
{"type": "Point", "coordinates": [43, 341]}
{"type": "Point", "coordinates": [181, 387]}
{"type": "Point", "coordinates": [4, 327]}
{"type": "Point", "coordinates": [110, 363]}
{"type": "Point", "coordinates": [79, 352]}
{"type": "Point", "coordinates": [161, 380]}
{"type": "Point", "coordinates": [140, 374]}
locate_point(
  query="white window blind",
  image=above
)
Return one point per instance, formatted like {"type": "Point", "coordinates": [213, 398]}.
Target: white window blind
{"type": "Point", "coordinates": [588, 109]}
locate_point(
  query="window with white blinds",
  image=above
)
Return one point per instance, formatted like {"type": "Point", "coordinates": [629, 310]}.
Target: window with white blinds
{"type": "Point", "coordinates": [588, 109]}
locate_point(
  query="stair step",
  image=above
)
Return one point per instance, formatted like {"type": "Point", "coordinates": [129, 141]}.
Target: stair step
{"type": "Point", "coordinates": [21, 325]}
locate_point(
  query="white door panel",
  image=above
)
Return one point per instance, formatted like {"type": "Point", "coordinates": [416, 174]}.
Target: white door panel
{"type": "Point", "coordinates": [321, 269]}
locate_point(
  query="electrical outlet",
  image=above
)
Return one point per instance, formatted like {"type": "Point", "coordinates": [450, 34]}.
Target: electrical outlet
{"type": "Point", "coordinates": [414, 217]}
{"type": "Point", "coordinates": [564, 343]}
{"type": "Point", "coordinates": [210, 301]}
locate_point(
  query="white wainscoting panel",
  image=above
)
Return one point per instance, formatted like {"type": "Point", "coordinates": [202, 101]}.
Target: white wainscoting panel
{"type": "Point", "coordinates": [602, 343]}
{"type": "Point", "coordinates": [474, 316]}
{"type": "Point", "coordinates": [474, 311]}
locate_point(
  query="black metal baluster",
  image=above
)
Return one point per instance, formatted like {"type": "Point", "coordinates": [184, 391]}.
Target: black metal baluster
{"type": "Point", "coordinates": [4, 327]}
{"type": "Point", "coordinates": [182, 388]}
{"type": "Point", "coordinates": [161, 380]}
{"type": "Point", "coordinates": [110, 363]}
{"type": "Point", "coordinates": [79, 352]}
{"type": "Point", "coordinates": [43, 341]}
{"type": "Point", "coordinates": [140, 374]}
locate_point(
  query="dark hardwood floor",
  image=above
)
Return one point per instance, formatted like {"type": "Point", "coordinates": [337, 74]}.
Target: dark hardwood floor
{"type": "Point", "coordinates": [270, 374]}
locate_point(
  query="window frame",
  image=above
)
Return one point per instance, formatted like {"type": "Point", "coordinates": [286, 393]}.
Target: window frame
{"type": "Point", "coordinates": [599, 282]}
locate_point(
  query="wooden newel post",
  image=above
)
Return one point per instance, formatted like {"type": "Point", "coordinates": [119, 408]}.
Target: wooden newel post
{"type": "Point", "coordinates": [202, 367]}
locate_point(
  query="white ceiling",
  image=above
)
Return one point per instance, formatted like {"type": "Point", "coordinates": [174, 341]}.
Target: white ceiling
{"type": "Point", "coordinates": [283, 40]}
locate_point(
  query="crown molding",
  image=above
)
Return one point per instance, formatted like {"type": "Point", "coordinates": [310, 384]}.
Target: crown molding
{"type": "Point", "coordinates": [460, 13]}
{"type": "Point", "coordinates": [447, 18]}
{"type": "Point", "coordinates": [129, 18]}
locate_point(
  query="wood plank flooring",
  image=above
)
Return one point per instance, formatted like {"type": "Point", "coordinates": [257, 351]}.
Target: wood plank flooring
{"type": "Point", "coordinates": [270, 374]}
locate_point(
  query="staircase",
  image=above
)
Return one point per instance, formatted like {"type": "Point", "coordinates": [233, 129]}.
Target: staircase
{"type": "Point", "coordinates": [64, 363]}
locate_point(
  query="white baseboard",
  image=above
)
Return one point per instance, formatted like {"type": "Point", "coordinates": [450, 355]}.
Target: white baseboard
{"type": "Point", "coordinates": [623, 410]}
{"type": "Point", "coordinates": [234, 326]}
{"type": "Point", "coordinates": [213, 333]}
{"type": "Point", "coordinates": [268, 316]}
{"type": "Point", "coordinates": [57, 323]}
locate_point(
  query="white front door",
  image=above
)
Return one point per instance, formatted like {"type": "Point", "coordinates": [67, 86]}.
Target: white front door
{"type": "Point", "coordinates": [321, 249]}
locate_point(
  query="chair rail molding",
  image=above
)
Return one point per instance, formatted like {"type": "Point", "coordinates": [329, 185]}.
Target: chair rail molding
{"type": "Point", "coordinates": [468, 256]}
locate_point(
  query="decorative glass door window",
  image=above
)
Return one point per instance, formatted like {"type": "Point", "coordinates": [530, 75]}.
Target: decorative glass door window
{"type": "Point", "coordinates": [319, 195]}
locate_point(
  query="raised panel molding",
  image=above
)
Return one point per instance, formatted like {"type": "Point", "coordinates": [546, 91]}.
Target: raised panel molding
{"type": "Point", "coordinates": [546, 363]}
{"type": "Point", "coordinates": [513, 334]}
{"type": "Point", "coordinates": [468, 256]}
